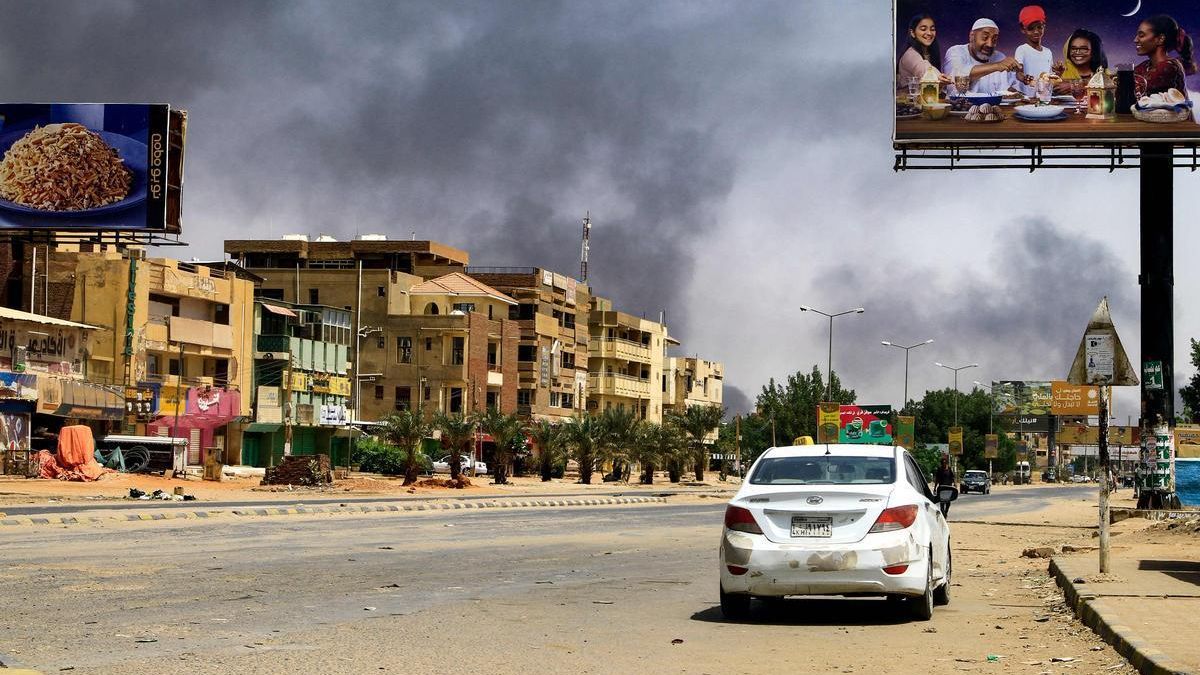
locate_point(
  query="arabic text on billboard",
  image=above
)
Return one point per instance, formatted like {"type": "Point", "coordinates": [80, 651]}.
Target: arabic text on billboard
{"type": "Point", "coordinates": [865, 424]}
{"type": "Point", "coordinates": [988, 71]}
{"type": "Point", "coordinates": [95, 166]}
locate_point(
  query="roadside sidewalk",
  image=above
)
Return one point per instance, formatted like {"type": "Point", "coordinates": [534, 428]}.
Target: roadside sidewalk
{"type": "Point", "coordinates": [1147, 605]}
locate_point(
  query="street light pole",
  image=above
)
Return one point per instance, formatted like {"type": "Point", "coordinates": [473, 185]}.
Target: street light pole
{"type": "Point", "coordinates": [885, 343]}
{"type": "Point", "coordinates": [956, 369]}
{"type": "Point", "coordinates": [829, 362]}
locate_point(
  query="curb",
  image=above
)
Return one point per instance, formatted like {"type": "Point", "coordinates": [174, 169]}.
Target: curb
{"type": "Point", "coordinates": [307, 510]}
{"type": "Point", "coordinates": [1096, 614]}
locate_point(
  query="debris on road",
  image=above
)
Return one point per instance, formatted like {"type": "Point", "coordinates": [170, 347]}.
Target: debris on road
{"type": "Point", "coordinates": [1038, 552]}
{"type": "Point", "coordinates": [300, 470]}
{"type": "Point", "coordinates": [677, 641]}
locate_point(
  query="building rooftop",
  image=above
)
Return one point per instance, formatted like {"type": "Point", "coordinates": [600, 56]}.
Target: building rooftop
{"type": "Point", "coordinates": [326, 250]}
{"type": "Point", "coordinates": [458, 284]}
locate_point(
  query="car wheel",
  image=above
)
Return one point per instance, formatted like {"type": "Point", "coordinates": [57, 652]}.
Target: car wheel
{"type": "Point", "coordinates": [735, 605]}
{"type": "Point", "coordinates": [941, 596]}
{"type": "Point", "coordinates": [987, 491]}
{"type": "Point", "coordinates": [921, 607]}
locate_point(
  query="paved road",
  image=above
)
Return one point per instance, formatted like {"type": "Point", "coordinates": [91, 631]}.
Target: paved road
{"type": "Point", "coordinates": [508, 591]}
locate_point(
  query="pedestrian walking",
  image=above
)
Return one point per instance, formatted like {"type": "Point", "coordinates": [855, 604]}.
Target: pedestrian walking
{"type": "Point", "coordinates": [944, 476]}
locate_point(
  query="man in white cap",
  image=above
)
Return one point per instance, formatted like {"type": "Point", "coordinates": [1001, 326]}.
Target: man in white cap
{"type": "Point", "coordinates": [991, 71]}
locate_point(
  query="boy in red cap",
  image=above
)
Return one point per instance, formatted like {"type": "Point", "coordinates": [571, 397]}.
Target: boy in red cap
{"type": "Point", "coordinates": [1034, 58]}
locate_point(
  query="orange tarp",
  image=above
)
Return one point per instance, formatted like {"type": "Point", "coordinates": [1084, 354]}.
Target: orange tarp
{"type": "Point", "coordinates": [76, 458]}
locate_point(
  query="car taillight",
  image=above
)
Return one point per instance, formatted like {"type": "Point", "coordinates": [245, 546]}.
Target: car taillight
{"type": "Point", "coordinates": [896, 569]}
{"type": "Point", "coordinates": [741, 520]}
{"type": "Point", "coordinates": [895, 518]}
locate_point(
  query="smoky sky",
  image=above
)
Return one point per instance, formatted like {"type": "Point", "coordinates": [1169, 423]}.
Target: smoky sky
{"type": "Point", "coordinates": [735, 158]}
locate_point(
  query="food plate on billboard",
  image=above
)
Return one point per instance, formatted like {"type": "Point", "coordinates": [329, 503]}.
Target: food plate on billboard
{"type": "Point", "coordinates": [1120, 71]}
{"type": "Point", "coordinates": [92, 166]}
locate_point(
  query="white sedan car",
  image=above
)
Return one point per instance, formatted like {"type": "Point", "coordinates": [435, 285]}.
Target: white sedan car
{"type": "Point", "coordinates": [849, 520]}
{"type": "Point", "coordinates": [464, 462]}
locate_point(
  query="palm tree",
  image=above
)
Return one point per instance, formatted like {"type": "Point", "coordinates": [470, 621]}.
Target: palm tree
{"type": "Point", "coordinates": [583, 435]}
{"type": "Point", "coordinates": [504, 430]}
{"type": "Point", "coordinates": [697, 422]}
{"type": "Point", "coordinates": [619, 433]}
{"type": "Point", "coordinates": [457, 432]}
{"type": "Point", "coordinates": [548, 438]}
{"type": "Point", "coordinates": [656, 444]}
{"type": "Point", "coordinates": [404, 430]}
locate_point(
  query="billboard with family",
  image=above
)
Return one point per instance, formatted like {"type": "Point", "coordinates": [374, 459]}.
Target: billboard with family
{"type": "Point", "coordinates": [1063, 72]}
{"type": "Point", "coordinates": [92, 166]}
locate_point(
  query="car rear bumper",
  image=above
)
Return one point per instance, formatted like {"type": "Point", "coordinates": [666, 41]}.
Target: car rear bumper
{"type": "Point", "coordinates": [774, 569]}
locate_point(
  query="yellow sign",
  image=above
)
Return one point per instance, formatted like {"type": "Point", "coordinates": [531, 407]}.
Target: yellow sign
{"type": "Point", "coordinates": [829, 418]}
{"type": "Point", "coordinates": [1080, 434]}
{"type": "Point", "coordinates": [1074, 399]}
{"type": "Point", "coordinates": [956, 440]}
{"type": "Point", "coordinates": [299, 381]}
{"type": "Point", "coordinates": [1187, 434]}
{"type": "Point", "coordinates": [339, 386]}
{"type": "Point", "coordinates": [991, 446]}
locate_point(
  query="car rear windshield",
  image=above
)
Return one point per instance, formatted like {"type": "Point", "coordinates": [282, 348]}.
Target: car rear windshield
{"type": "Point", "coordinates": [824, 470]}
{"type": "Point", "coordinates": [975, 474]}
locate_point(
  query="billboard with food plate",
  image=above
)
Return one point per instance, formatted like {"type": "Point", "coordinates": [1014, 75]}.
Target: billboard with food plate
{"type": "Point", "coordinates": [1065, 73]}
{"type": "Point", "coordinates": [92, 166]}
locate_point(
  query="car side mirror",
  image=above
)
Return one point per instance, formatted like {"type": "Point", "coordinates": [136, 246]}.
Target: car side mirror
{"type": "Point", "coordinates": [947, 493]}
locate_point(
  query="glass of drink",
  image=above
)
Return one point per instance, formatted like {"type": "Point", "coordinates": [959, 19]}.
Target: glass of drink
{"type": "Point", "coordinates": [1045, 91]}
{"type": "Point", "coordinates": [914, 86]}
{"type": "Point", "coordinates": [962, 83]}
{"type": "Point", "coordinates": [1078, 90]}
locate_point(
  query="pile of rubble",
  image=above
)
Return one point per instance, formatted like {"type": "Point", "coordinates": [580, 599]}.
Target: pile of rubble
{"type": "Point", "coordinates": [300, 470]}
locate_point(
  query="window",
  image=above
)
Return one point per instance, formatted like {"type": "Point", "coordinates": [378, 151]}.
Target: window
{"type": "Point", "coordinates": [382, 290]}
{"type": "Point", "coordinates": [568, 320]}
{"type": "Point", "coordinates": [489, 312]}
{"type": "Point", "coordinates": [567, 401]}
{"type": "Point", "coordinates": [404, 349]}
{"type": "Point", "coordinates": [524, 396]}
{"type": "Point", "coordinates": [173, 367]}
{"type": "Point", "coordinates": [567, 359]}
{"type": "Point", "coordinates": [458, 346]}
{"type": "Point", "coordinates": [403, 398]}
{"type": "Point", "coordinates": [428, 389]}
{"type": "Point", "coordinates": [464, 307]}
{"type": "Point", "coordinates": [456, 399]}
{"type": "Point", "coordinates": [428, 344]}
{"type": "Point", "coordinates": [153, 367]}
{"type": "Point", "coordinates": [555, 399]}
{"type": "Point", "coordinates": [431, 308]}
{"type": "Point", "coordinates": [270, 293]}
{"type": "Point", "coordinates": [491, 357]}
{"type": "Point", "coordinates": [221, 314]}
{"type": "Point", "coordinates": [527, 353]}
{"type": "Point", "coordinates": [828, 470]}
{"type": "Point", "coordinates": [381, 342]}
{"type": "Point", "coordinates": [379, 391]}
{"type": "Point", "coordinates": [493, 400]}
{"type": "Point", "coordinates": [314, 296]}
{"type": "Point", "coordinates": [522, 312]}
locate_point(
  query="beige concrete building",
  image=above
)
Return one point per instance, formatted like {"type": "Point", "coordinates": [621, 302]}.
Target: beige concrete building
{"type": "Point", "coordinates": [552, 354]}
{"type": "Point", "coordinates": [445, 344]}
{"type": "Point", "coordinates": [693, 381]}
{"type": "Point", "coordinates": [627, 359]}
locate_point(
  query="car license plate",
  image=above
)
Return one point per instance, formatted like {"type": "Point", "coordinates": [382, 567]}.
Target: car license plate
{"type": "Point", "coordinates": [812, 526]}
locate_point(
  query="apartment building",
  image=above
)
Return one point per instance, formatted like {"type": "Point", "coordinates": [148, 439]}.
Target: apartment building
{"type": "Point", "coordinates": [181, 332]}
{"type": "Point", "coordinates": [552, 353]}
{"type": "Point", "coordinates": [415, 317]}
{"type": "Point", "coordinates": [693, 381]}
{"type": "Point", "coordinates": [627, 358]}
{"type": "Point", "coordinates": [301, 383]}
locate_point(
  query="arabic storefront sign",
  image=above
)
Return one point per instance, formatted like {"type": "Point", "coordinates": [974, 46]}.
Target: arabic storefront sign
{"type": "Point", "coordinates": [991, 446]}
{"type": "Point", "coordinates": [140, 404]}
{"type": "Point", "coordinates": [333, 415]}
{"type": "Point", "coordinates": [18, 386]}
{"type": "Point", "coordinates": [320, 383]}
{"type": "Point", "coordinates": [1031, 423]}
{"type": "Point", "coordinates": [267, 408]}
{"type": "Point", "coordinates": [40, 347]}
{"type": "Point", "coordinates": [306, 414]}
{"type": "Point", "coordinates": [956, 440]}
{"type": "Point", "coordinates": [865, 424]}
{"type": "Point", "coordinates": [1074, 399]}
{"type": "Point", "coordinates": [1152, 375]}
{"type": "Point", "coordinates": [339, 386]}
{"type": "Point", "coordinates": [1081, 434]}
{"type": "Point", "coordinates": [300, 381]}
{"type": "Point", "coordinates": [828, 421]}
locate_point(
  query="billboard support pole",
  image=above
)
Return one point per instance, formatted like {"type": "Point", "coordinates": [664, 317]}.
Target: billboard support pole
{"type": "Point", "coordinates": [1157, 296]}
{"type": "Point", "coordinates": [1104, 481]}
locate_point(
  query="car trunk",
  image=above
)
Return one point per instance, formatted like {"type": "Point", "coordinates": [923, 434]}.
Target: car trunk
{"type": "Point", "coordinates": [819, 514]}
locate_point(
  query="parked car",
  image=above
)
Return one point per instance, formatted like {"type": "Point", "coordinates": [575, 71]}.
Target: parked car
{"type": "Point", "coordinates": [975, 480]}
{"type": "Point", "coordinates": [835, 520]}
{"type": "Point", "coordinates": [443, 466]}
{"type": "Point", "coordinates": [1081, 478]}
{"type": "Point", "coordinates": [1050, 475]}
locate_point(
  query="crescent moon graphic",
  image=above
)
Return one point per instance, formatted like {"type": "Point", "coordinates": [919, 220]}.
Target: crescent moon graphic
{"type": "Point", "coordinates": [1135, 9]}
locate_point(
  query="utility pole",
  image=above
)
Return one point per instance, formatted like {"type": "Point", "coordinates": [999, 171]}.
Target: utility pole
{"type": "Point", "coordinates": [287, 406]}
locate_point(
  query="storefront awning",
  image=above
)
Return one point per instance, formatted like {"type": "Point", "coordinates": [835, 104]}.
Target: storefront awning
{"type": "Point", "coordinates": [262, 428]}
{"type": "Point", "coordinates": [282, 311]}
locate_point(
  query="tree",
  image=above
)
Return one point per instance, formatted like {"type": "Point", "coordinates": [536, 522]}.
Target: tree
{"type": "Point", "coordinates": [583, 434]}
{"type": "Point", "coordinates": [457, 432]}
{"type": "Point", "coordinates": [697, 422]}
{"type": "Point", "coordinates": [1191, 393]}
{"type": "Point", "coordinates": [404, 430]}
{"type": "Point", "coordinates": [619, 431]}
{"type": "Point", "coordinates": [792, 407]}
{"type": "Point", "coordinates": [657, 444]}
{"type": "Point", "coordinates": [504, 430]}
{"type": "Point", "coordinates": [935, 415]}
{"type": "Point", "coordinates": [548, 438]}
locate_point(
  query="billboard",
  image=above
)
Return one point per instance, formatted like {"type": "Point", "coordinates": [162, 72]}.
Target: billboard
{"type": "Point", "coordinates": [865, 424]}
{"type": "Point", "coordinates": [991, 446]}
{"type": "Point", "coordinates": [956, 440]}
{"type": "Point", "coordinates": [1069, 75]}
{"type": "Point", "coordinates": [1075, 399]}
{"type": "Point", "coordinates": [1022, 397]}
{"type": "Point", "coordinates": [828, 422]}
{"type": "Point", "coordinates": [90, 166]}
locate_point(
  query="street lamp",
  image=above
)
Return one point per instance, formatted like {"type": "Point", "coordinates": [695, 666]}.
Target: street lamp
{"type": "Point", "coordinates": [885, 343]}
{"type": "Point", "coordinates": [955, 369]}
{"type": "Point", "coordinates": [829, 363]}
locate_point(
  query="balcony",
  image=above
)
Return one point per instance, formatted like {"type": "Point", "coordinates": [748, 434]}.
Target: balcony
{"type": "Point", "coordinates": [613, 384]}
{"type": "Point", "coordinates": [204, 333]}
{"type": "Point", "coordinates": [272, 347]}
{"type": "Point", "coordinates": [616, 348]}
